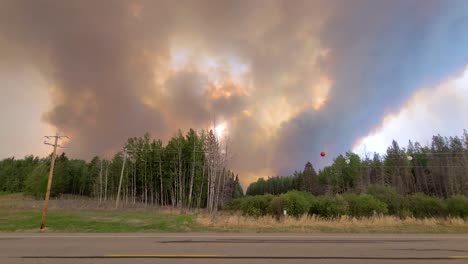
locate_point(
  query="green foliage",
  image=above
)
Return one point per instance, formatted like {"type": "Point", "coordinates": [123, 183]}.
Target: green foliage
{"type": "Point", "coordinates": [410, 170]}
{"type": "Point", "coordinates": [458, 206]}
{"type": "Point", "coordinates": [388, 195]}
{"type": "Point", "coordinates": [303, 181]}
{"type": "Point", "coordinates": [273, 185]}
{"type": "Point", "coordinates": [13, 173]}
{"type": "Point", "coordinates": [343, 175]}
{"type": "Point", "coordinates": [329, 206]}
{"type": "Point", "coordinates": [422, 205]}
{"type": "Point", "coordinates": [256, 205]}
{"type": "Point", "coordinates": [277, 205]}
{"type": "Point", "coordinates": [365, 205]}
{"type": "Point", "coordinates": [175, 174]}
{"type": "Point", "coordinates": [36, 182]}
{"type": "Point", "coordinates": [234, 204]}
{"type": "Point", "coordinates": [297, 202]}
{"type": "Point", "coordinates": [238, 192]}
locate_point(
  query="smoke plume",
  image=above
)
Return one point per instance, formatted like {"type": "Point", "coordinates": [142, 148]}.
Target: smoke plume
{"type": "Point", "coordinates": [289, 78]}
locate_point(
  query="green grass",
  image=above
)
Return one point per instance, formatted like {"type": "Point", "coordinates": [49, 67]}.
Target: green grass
{"type": "Point", "coordinates": [95, 221]}
{"type": "Point", "coordinates": [22, 213]}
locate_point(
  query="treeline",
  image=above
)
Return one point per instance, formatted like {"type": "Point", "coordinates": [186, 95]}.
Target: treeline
{"type": "Point", "coordinates": [440, 169]}
{"type": "Point", "coordinates": [379, 200]}
{"type": "Point", "coordinates": [190, 171]}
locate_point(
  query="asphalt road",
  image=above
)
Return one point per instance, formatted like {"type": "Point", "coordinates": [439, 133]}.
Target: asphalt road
{"type": "Point", "coordinates": [231, 248]}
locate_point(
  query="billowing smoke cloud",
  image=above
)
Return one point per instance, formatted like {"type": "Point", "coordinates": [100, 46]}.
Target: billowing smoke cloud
{"type": "Point", "coordinates": [289, 78]}
{"type": "Point", "coordinates": [380, 53]}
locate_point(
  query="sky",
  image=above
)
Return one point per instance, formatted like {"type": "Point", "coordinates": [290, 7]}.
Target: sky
{"type": "Point", "coordinates": [283, 80]}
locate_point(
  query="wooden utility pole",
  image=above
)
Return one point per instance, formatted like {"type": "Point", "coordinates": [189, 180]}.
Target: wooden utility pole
{"type": "Point", "coordinates": [120, 181]}
{"type": "Point", "coordinates": [49, 180]}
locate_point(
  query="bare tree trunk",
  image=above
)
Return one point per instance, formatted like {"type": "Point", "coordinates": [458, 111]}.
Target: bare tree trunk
{"type": "Point", "coordinates": [201, 186]}
{"type": "Point", "coordinates": [179, 202]}
{"type": "Point", "coordinates": [105, 187]}
{"type": "Point", "coordinates": [134, 184]}
{"type": "Point", "coordinates": [173, 198]}
{"type": "Point", "coordinates": [209, 196]}
{"type": "Point", "coordinates": [223, 182]}
{"type": "Point", "coordinates": [126, 190]}
{"type": "Point", "coordinates": [217, 191]}
{"type": "Point", "coordinates": [450, 178]}
{"type": "Point", "coordinates": [161, 181]}
{"type": "Point", "coordinates": [192, 175]}
{"type": "Point", "coordinates": [145, 186]}
{"type": "Point", "coordinates": [208, 189]}
{"type": "Point", "coordinates": [100, 183]}
{"type": "Point", "coordinates": [213, 185]}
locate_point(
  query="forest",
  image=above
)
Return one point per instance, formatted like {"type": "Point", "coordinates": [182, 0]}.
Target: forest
{"type": "Point", "coordinates": [439, 169]}
{"type": "Point", "coordinates": [416, 181]}
{"type": "Point", "coordinates": [190, 171]}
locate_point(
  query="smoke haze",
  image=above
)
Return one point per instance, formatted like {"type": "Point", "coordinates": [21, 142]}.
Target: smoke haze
{"type": "Point", "coordinates": [289, 78]}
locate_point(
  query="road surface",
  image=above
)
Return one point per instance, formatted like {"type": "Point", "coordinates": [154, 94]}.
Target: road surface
{"type": "Point", "coordinates": [231, 248]}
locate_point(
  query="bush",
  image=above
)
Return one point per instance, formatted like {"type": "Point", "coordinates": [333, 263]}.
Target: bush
{"type": "Point", "coordinates": [277, 206]}
{"type": "Point", "coordinates": [36, 181]}
{"type": "Point", "coordinates": [458, 206]}
{"type": "Point", "coordinates": [422, 205]}
{"type": "Point", "coordinates": [405, 213]}
{"type": "Point", "coordinates": [365, 205]}
{"type": "Point", "coordinates": [390, 196]}
{"type": "Point", "coordinates": [329, 206]}
{"type": "Point", "coordinates": [256, 205]}
{"type": "Point", "coordinates": [297, 202]}
{"type": "Point", "coordinates": [234, 204]}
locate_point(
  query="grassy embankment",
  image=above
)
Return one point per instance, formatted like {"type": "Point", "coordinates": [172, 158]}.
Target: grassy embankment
{"type": "Point", "coordinates": [19, 213]}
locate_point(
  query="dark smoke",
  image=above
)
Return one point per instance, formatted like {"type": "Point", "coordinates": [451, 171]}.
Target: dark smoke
{"type": "Point", "coordinates": [381, 52]}
{"type": "Point", "coordinates": [102, 58]}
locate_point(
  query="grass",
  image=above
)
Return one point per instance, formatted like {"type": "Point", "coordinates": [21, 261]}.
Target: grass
{"type": "Point", "coordinates": [20, 213]}
{"type": "Point", "coordinates": [344, 224]}
{"type": "Point", "coordinates": [95, 221]}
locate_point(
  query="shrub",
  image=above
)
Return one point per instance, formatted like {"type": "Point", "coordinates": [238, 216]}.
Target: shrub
{"type": "Point", "coordinates": [390, 196]}
{"type": "Point", "coordinates": [329, 206]}
{"type": "Point", "coordinates": [277, 206]}
{"type": "Point", "coordinates": [422, 205]}
{"type": "Point", "coordinates": [36, 181]}
{"type": "Point", "coordinates": [405, 213]}
{"type": "Point", "coordinates": [458, 206]}
{"type": "Point", "coordinates": [234, 204]}
{"type": "Point", "coordinates": [297, 202]}
{"type": "Point", "coordinates": [365, 205]}
{"type": "Point", "coordinates": [256, 205]}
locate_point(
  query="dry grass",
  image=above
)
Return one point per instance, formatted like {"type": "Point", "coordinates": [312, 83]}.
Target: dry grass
{"type": "Point", "coordinates": [344, 224]}
{"type": "Point", "coordinates": [137, 217]}
{"type": "Point", "coordinates": [18, 202]}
